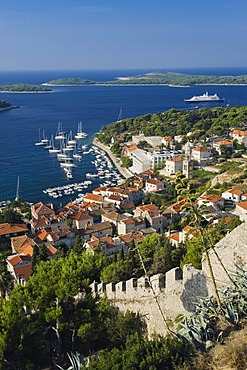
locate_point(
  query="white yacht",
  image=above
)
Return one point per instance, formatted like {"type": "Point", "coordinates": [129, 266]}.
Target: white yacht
{"type": "Point", "coordinates": [70, 140]}
{"type": "Point", "coordinates": [204, 98]}
{"type": "Point", "coordinates": [80, 134]}
{"type": "Point", "coordinates": [53, 149]}
{"type": "Point", "coordinates": [41, 142]}
{"type": "Point", "coordinates": [60, 135]}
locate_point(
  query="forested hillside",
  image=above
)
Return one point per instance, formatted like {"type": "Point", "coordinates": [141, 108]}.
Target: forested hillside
{"type": "Point", "coordinates": [204, 122]}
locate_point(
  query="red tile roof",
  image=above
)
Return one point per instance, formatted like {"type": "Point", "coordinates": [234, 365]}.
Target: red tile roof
{"type": "Point", "coordinates": [175, 237]}
{"type": "Point", "coordinates": [132, 147]}
{"type": "Point", "coordinates": [128, 221]}
{"type": "Point", "coordinates": [150, 208]}
{"type": "Point", "coordinates": [153, 181]}
{"type": "Point", "coordinates": [214, 198]}
{"type": "Point", "coordinates": [224, 142]}
{"type": "Point", "coordinates": [242, 205]}
{"type": "Point", "coordinates": [42, 209]}
{"type": "Point", "coordinates": [6, 228]}
{"type": "Point", "coordinates": [239, 133]}
{"type": "Point", "coordinates": [115, 197]}
{"type": "Point", "coordinates": [92, 197]}
{"type": "Point", "coordinates": [234, 191]}
{"type": "Point", "coordinates": [175, 159]}
{"type": "Point", "coordinates": [201, 149]}
{"type": "Point", "coordinates": [178, 205]}
{"type": "Point", "coordinates": [23, 272]}
{"type": "Point", "coordinates": [187, 228]}
{"type": "Point", "coordinates": [79, 216]}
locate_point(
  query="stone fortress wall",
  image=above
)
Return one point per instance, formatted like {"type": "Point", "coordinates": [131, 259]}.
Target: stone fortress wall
{"type": "Point", "coordinates": [176, 292]}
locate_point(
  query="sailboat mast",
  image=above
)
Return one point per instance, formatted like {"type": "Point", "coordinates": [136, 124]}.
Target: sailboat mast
{"type": "Point", "coordinates": [17, 196]}
{"type": "Point", "coordinates": [120, 116]}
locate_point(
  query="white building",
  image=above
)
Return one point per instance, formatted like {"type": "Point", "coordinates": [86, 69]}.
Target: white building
{"type": "Point", "coordinates": [201, 154]}
{"type": "Point", "coordinates": [240, 136]}
{"type": "Point", "coordinates": [174, 165]}
{"type": "Point", "coordinates": [154, 185]}
{"type": "Point", "coordinates": [241, 210]}
{"type": "Point", "coordinates": [151, 140]}
{"type": "Point", "coordinates": [235, 195]}
{"type": "Point", "coordinates": [141, 161]}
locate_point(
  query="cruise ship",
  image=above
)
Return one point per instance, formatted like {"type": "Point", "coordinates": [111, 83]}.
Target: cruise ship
{"type": "Point", "coordinates": [204, 98]}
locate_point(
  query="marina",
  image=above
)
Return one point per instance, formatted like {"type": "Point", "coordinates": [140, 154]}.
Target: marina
{"type": "Point", "coordinates": [104, 170]}
{"type": "Point", "coordinates": [65, 146]}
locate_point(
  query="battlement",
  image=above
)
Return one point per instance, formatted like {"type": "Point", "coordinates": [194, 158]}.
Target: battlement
{"type": "Point", "coordinates": [136, 288]}
{"type": "Point", "coordinates": [176, 292]}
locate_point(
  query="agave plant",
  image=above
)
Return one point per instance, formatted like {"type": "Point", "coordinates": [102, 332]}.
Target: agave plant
{"type": "Point", "coordinates": [200, 328]}
{"type": "Point", "coordinates": [76, 360]}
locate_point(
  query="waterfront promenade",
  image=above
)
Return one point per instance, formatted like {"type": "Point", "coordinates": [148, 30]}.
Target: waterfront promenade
{"type": "Point", "coordinates": [116, 161]}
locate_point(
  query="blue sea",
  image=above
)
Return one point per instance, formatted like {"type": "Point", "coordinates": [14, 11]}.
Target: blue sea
{"type": "Point", "coordinates": [95, 106]}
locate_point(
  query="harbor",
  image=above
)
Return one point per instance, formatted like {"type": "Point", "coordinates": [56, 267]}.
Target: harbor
{"type": "Point", "coordinates": [104, 171]}
{"type": "Point", "coordinates": [123, 171]}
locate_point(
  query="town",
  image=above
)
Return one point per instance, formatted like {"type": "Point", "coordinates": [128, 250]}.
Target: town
{"type": "Point", "coordinates": [152, 242]}
{"type": "Point", "coordinates": [110, 218]}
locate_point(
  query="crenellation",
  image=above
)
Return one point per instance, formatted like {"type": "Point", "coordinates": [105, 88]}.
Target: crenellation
{"type": "Point", "coordinates": [101, 288]}
{"type": "Point", "coordinates": [110, 288]}
{"type": "Point", "coordinates": [94, 287]}
{"type": "Point", "coordinates": [121, 286]}
{"type": "Point", "coordinates": [174, 278]}
{"type": "Point", "coordinates": [158, 281]}
{"type": "Point", "coordinates": [131, 284]}
{"type": "Point", "coordinates": [176, 292]}
{"type": "Point", "coordinates": [143, 282]}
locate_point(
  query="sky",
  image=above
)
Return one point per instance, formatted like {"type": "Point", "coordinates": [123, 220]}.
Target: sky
{"type": "Point", "coordinates": [122, 34]}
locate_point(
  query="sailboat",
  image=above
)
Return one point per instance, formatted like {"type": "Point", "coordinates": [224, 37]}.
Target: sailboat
{"type": "Point", "coordinates": [41, 142]}
{"type": "Point", "coordinates": [48, 145]}
{"type": "Point", "coordinates": [60, 135]}
{"type": "Point", "coordinates": [67, 163]}
{"type": "Point", "coordinates": [53, 149]}
{"type": "Point", "coordinates": [80, 134]}
{"type": "Point", "coordinates": [17, 196]}
{"type": "Point", "coordinates": [68, 173]}
{"type": "Point", "coordinates": [70, 140]}
{"type": "Point", "coordinates": [77, 156]}
{"type": "Point", "coordinates": [120, 116]}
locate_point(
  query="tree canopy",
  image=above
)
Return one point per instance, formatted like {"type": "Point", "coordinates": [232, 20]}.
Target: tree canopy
{"type": "Point", "coordinates": [202, 122]}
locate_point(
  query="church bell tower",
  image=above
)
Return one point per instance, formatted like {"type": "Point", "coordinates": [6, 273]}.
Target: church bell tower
{"type": "Point", "coordinates": [187, 162]}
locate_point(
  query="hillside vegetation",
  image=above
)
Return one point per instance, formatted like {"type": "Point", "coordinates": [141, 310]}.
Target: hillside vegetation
{"type": "Point", "coordinates": [159, 78]}
{"type": "Point", "coordinates": [4, 104]}
{"type": "Point", "coordinates": [202, 122]}
{"type": "Point", "coordinates": [71, 81]}
{"type": "Point", "coordinates": [20, 87]}
{"type": "Point", "coordinates": [171, 78]}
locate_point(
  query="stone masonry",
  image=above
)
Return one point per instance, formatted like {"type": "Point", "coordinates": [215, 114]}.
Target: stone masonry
{"type": "Point", "coordinates": [176, 292]}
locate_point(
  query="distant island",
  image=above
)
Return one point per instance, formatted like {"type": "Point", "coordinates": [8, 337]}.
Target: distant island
{"type": "Point", "coordinates": [23, 88]}
{"type": "Point", "coordinates": [156, 78]}
{"type": "Point", "coordinates": [69, 81]}
{"type": "Point", "coordinates": [6, 106]}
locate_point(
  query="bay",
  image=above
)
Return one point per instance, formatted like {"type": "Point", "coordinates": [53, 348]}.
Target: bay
{"type": "Point", "coordinates": [95, 106]}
